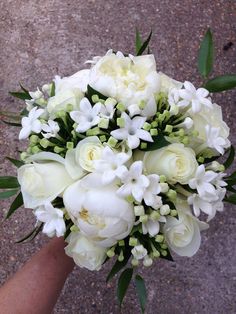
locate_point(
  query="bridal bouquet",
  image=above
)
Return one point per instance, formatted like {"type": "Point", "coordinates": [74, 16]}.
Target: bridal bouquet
{"type": "Point", "coordinates": [122, 161]}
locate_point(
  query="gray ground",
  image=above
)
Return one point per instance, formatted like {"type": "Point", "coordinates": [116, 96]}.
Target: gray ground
{"type": "Point", "coordinates": [41, 38]}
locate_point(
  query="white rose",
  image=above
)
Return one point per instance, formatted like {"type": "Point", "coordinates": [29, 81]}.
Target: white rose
{"type": "Point", "coordinates": [175, 161]}
{"type": "Point", "coordinates": [127, 79]}
{"type": "Point", "coordinates": [182, 234]}
{"type": "Point", "coordinates": [167, 83]}
{"type": "Point", "coordinates": [78, 80]}
{"type": "Point", "coordinates": [84, 252]}
{"type": "Point", "coordinates": [42, 181]}
{"type": "Point", "coordinates": [212, 117]}
{"type": "Point", "coordinates": [81, 159]}
{"type": "Point", "coordinates": [100, 213]}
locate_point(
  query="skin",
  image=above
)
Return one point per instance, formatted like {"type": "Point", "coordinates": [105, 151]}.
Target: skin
{"type": "Point", "coordinates": [35, 288]}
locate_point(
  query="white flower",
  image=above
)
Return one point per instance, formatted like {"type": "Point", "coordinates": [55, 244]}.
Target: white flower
{"type": "Point", "coordinates": [199, 204]}
{"type": "Point", "coordinates": [150, 108]}
{"type": "Point", "coordinates": [214, 140]}
{"type": "Point", "coordinates": [107, 109]}
{"type": "Point", "coordinates": [77, 81]}
{"type": "Point", "coordinates": [31, 123]}
{"type": "Point", "coordinates": [100, 213]}
{"type": "Point", "coordinates": [43, 180]}
{"type": "Point", "coordinates": [182, 234]}
{"type": "Point", "coordinates": [110, 164]}
{"type": "Point", "coordinates": [84, 252]}
{"type": "Point", "coordinates": [36, 95]}
{"type": "Point", "coordinates": [175, 102]}
{"type": "Point", "coordinates": [167, 83]}
{"type": "Point", "coordinates": [150, 194]}
{"type": "Point", "coordinates": [196, 98]}
{"type": "Point", "coordinates": [52, 217]}
{"type": "Point", "coordinates": [51, 129]}
{"type": "Point", "coordinates": [152, 226]}
{"type": "Point", "coordinates": [139, 252]}
{"type": "Point", "coordinates": [175, 161]}
{"type": "Point", "coordinates": [203, 182]}
{"type": "Point", "coordinates": [127, 79]}
{"type": "Point", "coordinates": [134, 182]}
{"type": "Point", "coordinates": [87, 116]}
{"type": "Point", "coordinates": [217, 205]}
{"type": "Point", "coordinates": [132, 131]}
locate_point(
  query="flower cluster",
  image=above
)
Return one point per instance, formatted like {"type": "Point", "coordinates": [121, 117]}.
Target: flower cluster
{"type": "Point", "coordinates": [121, 161]}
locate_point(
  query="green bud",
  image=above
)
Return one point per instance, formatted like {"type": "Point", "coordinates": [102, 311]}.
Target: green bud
{"type": "Point", "coordinates": [154, 124]}
{"type": "Point", "coordinates": [168, 128]}
{"type": "Point", "coordinates": [121, 257]}
{"type": "Point", "coordinates": [195, 133]}
{"type": "Point", "coordinates": [143, 218]}
{"type": "Point", "coordinates": [110, 101]}
{"type": "Point", "coordinates": [143, 145]}
{"type": "Point", "coordinates": [133, 241]}
{"type": "Point", "coordinates": [147, 262]}
{"type": "Point", "coordinates": [104, 123]}
{"type": "Point", "coordinates": [35, 150]}
{"type": "Point", "coordinates": [69, 145]}
{"type": "Point", "coordinates": [159, 238]}
{"type": "Point", "coordinates": [172, 194]}
{"type": "Point", "coordinates": [61, 114]}
{"type": "Point", "coordinates": [185, 140]}
{"type": "Point", "coordinates": [103, 138]}
{"type": "Point", "coordinates": [147, 126]}
{"type": "Point", "coordinates": [23, 156]}
{"type": "Point", "coordinates": [67, 216]}
{"type": "Point", "coordinates": [121, 243]}
{"type": "Point", "coordinates": [155, 215]}
{"type": "Point", "coordinates": [164, 253]}
{"type": "Point", "coordinates": [120, 122]}
{"type": "Point", "coordinates": [165, 209]}
{"type": "Point", "coordinates": [173, 212]}
{"type": "Point", "coordinates": [111, 253]}
{"type": "Point", "coordinates": [34, 139]}
{"type": "Point", "coordinates": [139, 210]}
{"type": "Point", "coordinates": [74, 228]}
{"type": "Point", "coordinates": [93, 132]}
{"type": "Point", "coordinates": [134, 262]}
{"type": "Point", "coordinates": [164, 246]}
{"type": "Point", "coordinates": [58, 149]}
{"type": "Point", "coordinates": [181, 132]}
{"type": "Point", "coordinates": [112, 141]}
{"type": "Point", "coordinates": [130, 199]}
{"type": "Point", "coordinates": [69, 107]}
{"type": "Point", "coordinates": [95, 99]}
{"type": "Point", "coordinates": [201, 159]}
{"type": "Point", "coordinates": [142, 104]}
{"type": "Point", "coordinates": [120, 107]}
{"type": "Point", "coordinates": [153, 132]}
{"type": "Point", "coordinates": [162, 178]}
{"type": "Point", "coordinates": [45, 143]}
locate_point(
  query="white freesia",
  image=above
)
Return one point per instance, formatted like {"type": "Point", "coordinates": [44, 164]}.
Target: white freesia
{"type": "Point", "coordinates": [175, 161]}
{"type": "Point", "coordinates": [110, 164]}
{"type": "Point", "coordinates": [84, 252]}
{"type": "Point", "coordinates": [42, 181]}
{"type": "Point", "coordinates": [132, 131]}
{"type": "Point", "coordinates": [87, 116]}
{"type": "Point", "coordinates": [92, 213]}
{"type": "Point", "coordinates": [203, 183]}
{"type": "Point", "coordinates": [127, 79]}
{"type": "Point", "coordinates": [134, 182]}
{"type": "Point", "coordinates": [31, 123]}
{"type": "Point", "coordinates": [52, 217]}
{"type": "Point", "coordinates": [195, 98]}
{"type": "Point", "coordinates": [51, 129]}
{"type": "Point", "coordinates": [182, 234]}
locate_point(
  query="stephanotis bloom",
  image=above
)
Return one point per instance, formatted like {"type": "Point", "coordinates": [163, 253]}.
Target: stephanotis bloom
{"type": "Point", "coordinates": [31, 123]}
{"type": "Point", "coordinates": [197, 98]}
{"type": "Point", "coordinates": [51, 129]}
{"type": "Point", "coordinates": [107, 109]}
{"type": "Point", "coordinates": [203, 183]}
{"type": "Point", "coordinates": [134, 182]}
{"type": "Point", "coordinates": [52, 218]}
{"type": "Point", "coordinates": [152, 226]}
{"type": "Point", "coordinates": [132, 131]}
{"type": "Point", "coordinates": [87, 116]}
{"type": "Point", "coordinates": [215, 140]}
{"type": "Point", "coordinates": [111, 164]}
{"type": "Point", "coordinates": [150, 194]}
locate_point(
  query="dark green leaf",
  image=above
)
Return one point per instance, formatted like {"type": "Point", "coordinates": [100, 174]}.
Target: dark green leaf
{"type": "Point", "coordinates": [69, 224]}
{"type": "Point", "coordinates": [141, 291]}
{"type": "Point", "coordinates": [205, 56]}
{"type": "Point", "coordinates": [25, 90]}
{"type": "Point", "coordinates": [230, 188]}
{"type": "Point", "coordinates": [144, 45]}
{"type": "Point", "coordinates": [7, 194]}
{"type": "Point", "coordinates": [20, 95]}
{"type": "Point", "coordinates": [8, 182]}
{"type": "Point", "coordinates": [221, 83]}
{"type": "Point", "coordinates": [230, 199]}
{"type": "Point", "coordinates": [138, 42]}
{"type": "Point", "coordinates": [91, 91]}
{"type": "Point", "coordinates": [18, 202]}
{"type": "Point", "coordinates": [52, 89]}
{"type": "Point", "coordinates": [24, 112]}
{"type": "Point", "coordinates": [11, 123]}
{"type": "Point", "coordinates": [159, 141]}
{"type": "Point", "coordinates": [118, 266]}
{"type": "Point", "coordinates": [30, 236]}
{"type": "Point", "coordinates": [123, 284]}
{"type": "Point", "coordinates": [17, 163]}
{"type": "Point", "coordinates": [230, 158]}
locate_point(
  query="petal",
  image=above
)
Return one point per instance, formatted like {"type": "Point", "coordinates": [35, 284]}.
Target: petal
{"type": "Point", "coordinates": [24, 133]}
{"type": "Point", "coordinates": [120, 134]}
{"type": "Point", "coordinates": [75, 115]}
{"type": "Point", "coordinates": [144, 135]}
{"type": "Point", "coordinates": [133, 141]}
{"type": "Point", "coordinates": [85, 105]}
{"type": "Point", "coordinates": [138, 122]}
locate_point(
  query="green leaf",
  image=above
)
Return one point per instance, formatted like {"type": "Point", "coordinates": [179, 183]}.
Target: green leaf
{"type": "Point", "coordinates": [221, 83]}
{"type": "Point", "coordinates": [230, 158]}
{"type": "Point", "coordinates": [24, 112]}
{"type": "Point", "coordinates": [17, 163]}
{"type": "Point", "coordinates": [7, 194]}
{"type": "Point", "coordinates": [138, 41]}
{"type": "Point", "coordinates": [230, 188]}
{"type": "Point", "coordinates": [123, 284]}
{"type": "Point", "coordinates": [18, 202]}
{"type": "Point", "coordinates": [11, 123]}
{"type": "Point", "coordinates": [230, 199]}
{"type": "Point", "coordinates": [8, 182]}
{"type": "Point", "coordinates": [91, 91]}
{"type": "Point", "coordinates": [118, 266]}
{"type": "Point", "coordinates": [145, 44]}
{"type": "Point", "coordinates": [205, 56]}
{"type": "Point", "coordinates": [20, 95]}
{"type": "Point", "coordinates": [159, 141]}
{"type": "Point", "coordinates": [141, 291]}
{"type": "Point", "coordinates": [25, 90]}
{"type": "Point", "coordinates": [52, 93]}
{"type": "Point", "coordinates": [30, 236]}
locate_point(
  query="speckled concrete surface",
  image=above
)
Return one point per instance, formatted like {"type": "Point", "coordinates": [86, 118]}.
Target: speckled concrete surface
{"type": "Point", "coordinates": [41, 38]}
